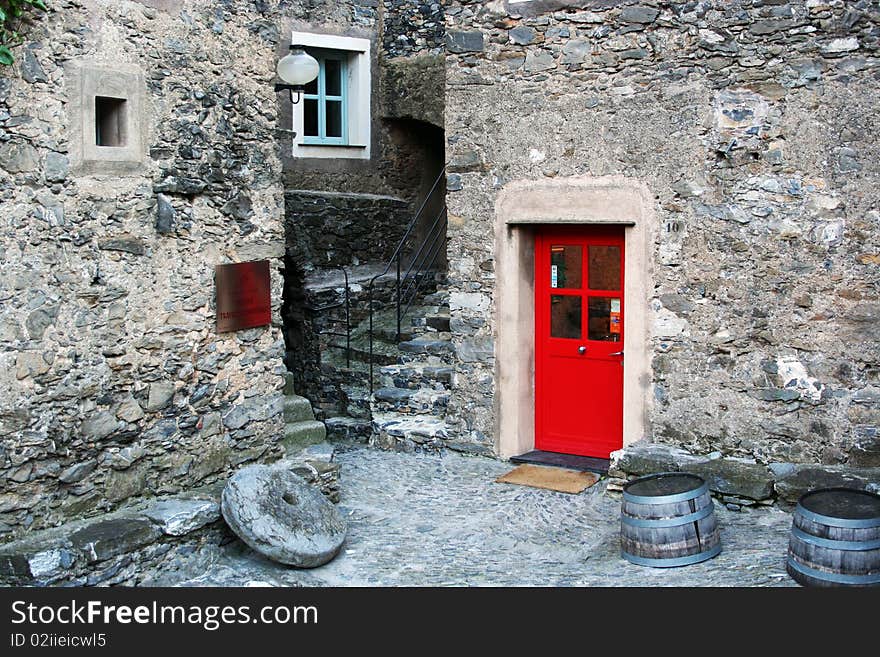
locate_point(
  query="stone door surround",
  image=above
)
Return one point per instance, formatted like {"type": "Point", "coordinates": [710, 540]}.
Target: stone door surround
{"type": "Point", "coordinates": [521, 207]}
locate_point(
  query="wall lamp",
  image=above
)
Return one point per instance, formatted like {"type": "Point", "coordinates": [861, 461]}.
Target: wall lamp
{"type": "Point", "coordinates": [296, 69]}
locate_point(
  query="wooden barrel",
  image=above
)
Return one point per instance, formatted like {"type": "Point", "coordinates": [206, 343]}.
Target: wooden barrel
{"type": "Point", "coordinates": [835, 538]}
{"type": "Point", "coordinates": [668, 519]}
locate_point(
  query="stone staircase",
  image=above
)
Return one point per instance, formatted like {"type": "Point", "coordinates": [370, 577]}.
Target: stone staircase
{"type": "Point", "coordinates": [412, 380]}
{"type": "Point", "coordinates": [301, 429]}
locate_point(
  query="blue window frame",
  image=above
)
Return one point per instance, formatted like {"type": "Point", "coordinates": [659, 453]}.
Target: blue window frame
{"type": "Point", "coordinates": [325, 111]}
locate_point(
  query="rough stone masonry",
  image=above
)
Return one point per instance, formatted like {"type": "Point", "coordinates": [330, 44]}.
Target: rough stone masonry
{"type": "Point", "coordinates": [753, 123]}
{"type": "Point", "coordinates": [114, 384]}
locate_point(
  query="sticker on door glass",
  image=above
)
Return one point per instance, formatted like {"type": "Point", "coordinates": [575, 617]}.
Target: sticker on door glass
{"type": "Point", "coordinates": [615, 305]}
{"type": "Point", "coordinates": [565, 266]}
{"type": "Point", "coordinates": [614, 323]}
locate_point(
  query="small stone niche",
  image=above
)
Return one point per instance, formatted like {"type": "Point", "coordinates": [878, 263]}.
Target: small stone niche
{"type": "Point", "coordinates": [110, 121]}
{"type": "Point", "coordinates": [107, 123]}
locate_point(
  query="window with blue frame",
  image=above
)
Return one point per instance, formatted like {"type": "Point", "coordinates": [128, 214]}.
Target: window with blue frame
{"type": "Point", "coordinates": [325, 114]}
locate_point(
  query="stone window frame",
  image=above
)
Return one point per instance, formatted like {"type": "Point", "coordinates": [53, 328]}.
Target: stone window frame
{"type": "Point", "coordinates": [520, 208]}
{"type": "Point", "coordinates": [87, 81]}
{"type": "Point", "coordinates": [358, 98]}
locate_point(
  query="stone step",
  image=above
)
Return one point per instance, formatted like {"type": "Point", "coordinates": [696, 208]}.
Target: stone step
{"type": "Point", "coordinates": [357, 401]}
{"type": "Point", "coordinates": [297, 409]}
{"type": "Point", "coordinates": [348, 428]}
{"type": "Point", "coordinates": [302, 434]}
{"type": "Point", "coordinates": [412, 402]}
{"type": "Point", "coordinates": [335, 367]}
{"type": "Point", "coordinates": [384, 353]}
{"type": "Point", "coordinates": [441, 296]}
{"type": "Point", "coordinates": [392, 428]}
{"type": "Point", "coordinates": [438, 322]}
{"type": "Point", "coordinates": [288, 384]}
{"type": "Point", "coordinates": [419, 348]}
{"type": "Point", "coordinates": [416, 374]}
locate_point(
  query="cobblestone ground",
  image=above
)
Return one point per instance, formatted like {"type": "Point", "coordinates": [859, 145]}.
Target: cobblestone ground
{"type": "Point", "coordinates": [427, 520]}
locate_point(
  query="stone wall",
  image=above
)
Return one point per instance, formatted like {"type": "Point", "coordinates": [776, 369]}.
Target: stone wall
{"type": "Point", "coordinates": [413, 27]}
{"type": "Point", "coordinates": [113, 381]}
{"type": "Point", "coordinates": [754, 125]}
{"type": "Point", "coordinates": [328, 230]}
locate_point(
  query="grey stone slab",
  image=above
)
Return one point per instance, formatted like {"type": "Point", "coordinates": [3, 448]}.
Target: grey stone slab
{"type": "Point", "coordinates": [460, 42]}
{"type": "Point", "coordinates": [650, 458]}
{"type": "Point", "coordinates": [77, 472]}
{"type": "Point", "coordinates": [109, 538]}
{"type": "Point", "coordinates": [803, 478]}
{"type": "Point", "coordinates": [733, 477]}
{"type": "Point", "coordinates": [165, 214]}
{"type": "Point", "coordinates": [56, 167]}
{"type": "Point", "coordinates": [177, 517]}
{"type": "Point", "coordinates": [522, 35]}
{"type": "Point", "coordinates": [99, 425]}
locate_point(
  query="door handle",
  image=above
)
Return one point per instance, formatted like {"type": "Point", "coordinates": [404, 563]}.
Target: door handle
{"type": "Point", "coordinates": [582, 350]}
{"type": "Point", "coordinates": [616, 353]}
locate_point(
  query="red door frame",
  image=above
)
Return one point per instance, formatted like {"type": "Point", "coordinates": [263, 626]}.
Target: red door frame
{"type": "Point", "coordinates": [592, 383]}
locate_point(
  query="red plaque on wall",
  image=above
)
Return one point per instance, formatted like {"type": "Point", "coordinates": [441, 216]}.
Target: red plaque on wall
{"type": "Point", "coordinates": [243, 295]}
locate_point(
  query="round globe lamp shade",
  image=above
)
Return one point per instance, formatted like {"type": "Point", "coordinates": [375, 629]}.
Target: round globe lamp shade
{"type": "Point", "coordinates": [297, 68]}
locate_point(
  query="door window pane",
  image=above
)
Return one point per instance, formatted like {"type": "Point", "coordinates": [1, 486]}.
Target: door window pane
{"type": "Point", "coordinates": [311, 88]}
{"type": "Point", "coordinates": [604, 319]}
{"type": "Point", "coordinates": [565, 317]}
{"type": "Point", "coordinates": [334, 118]}
{"type": "Point", "coordinates": [565, 266]}
{"type": "Point", "coordinates": [604, 268]}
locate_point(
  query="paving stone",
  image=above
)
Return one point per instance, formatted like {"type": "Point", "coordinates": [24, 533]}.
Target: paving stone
{"type": "Point", "coordinates": [431, 520]}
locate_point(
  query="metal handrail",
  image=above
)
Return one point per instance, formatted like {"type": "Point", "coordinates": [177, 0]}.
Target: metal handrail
{"type": "Point", "coordinates": [396, 260]}
{"type": "Point", "coordinates": [347, 321]}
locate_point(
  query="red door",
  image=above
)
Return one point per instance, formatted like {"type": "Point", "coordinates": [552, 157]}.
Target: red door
{"type": "Point", "coordinates": [579, 328]}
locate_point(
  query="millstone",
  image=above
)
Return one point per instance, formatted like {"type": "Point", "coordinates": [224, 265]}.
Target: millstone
{"type": "Point", "coordinates": [282, 517]}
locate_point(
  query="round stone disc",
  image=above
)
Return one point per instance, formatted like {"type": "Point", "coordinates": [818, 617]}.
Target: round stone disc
{"type": "Point", "coordinates": [282, 517]}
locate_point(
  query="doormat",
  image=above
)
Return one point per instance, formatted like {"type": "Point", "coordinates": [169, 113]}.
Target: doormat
{"type": "Point", "coordinates": [570, 461]}
{"type": "Point", "coordinates": [558, 479]}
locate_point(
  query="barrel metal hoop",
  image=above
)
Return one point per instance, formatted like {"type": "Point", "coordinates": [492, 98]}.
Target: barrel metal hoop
{"type": "Point", "coordinates": [837, 578]}
{"type": "Point", "coordinates": [667, 522]}
{"type": "Point", "coordinates": [855, 546]}
{"type": "Point", "coordinates": [675, 561]}
{"type": "Point", "coordinates": [667, 499]}
{"type": "Point", "coordinates": [850, 523]}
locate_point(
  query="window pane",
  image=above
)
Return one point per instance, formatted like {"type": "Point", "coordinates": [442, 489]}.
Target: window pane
{"type": "Point", "coordinates": [310, 118]}
{"type": "Point", "coordinates": [604, 268]}
{"type": "Point", "coordinates": [604, 319]}
{"type": "Point", "coordinates": [565, 266]}
{"type": "Point", "coordinates": [333, 77]}
{"type": "Point", "coordinates": [312, 87]}
{"type": "Point", "coordinates": [334, 118]}
{"type": "Point", "coordinates": [565, 317]}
